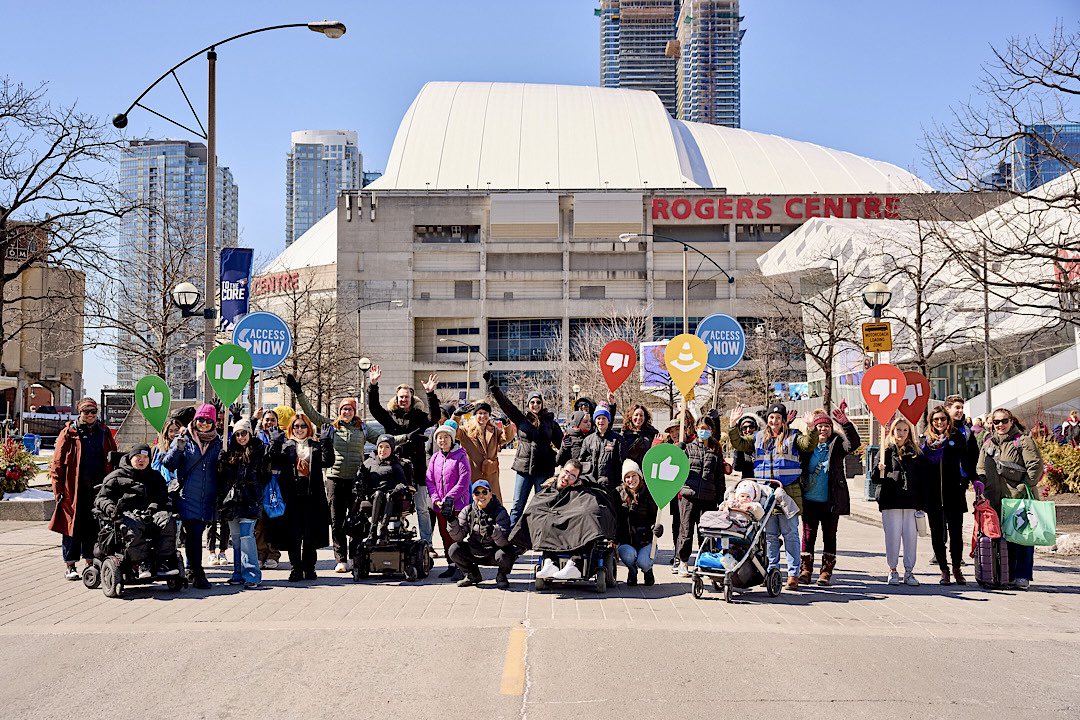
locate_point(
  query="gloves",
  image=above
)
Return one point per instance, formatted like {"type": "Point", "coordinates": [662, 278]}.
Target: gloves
{"type": "Point", "coordinates": [567, 441]}
{"type": "Point", "coordinates": [980, 487]}
{"type": "Point", "coordinates": [399, 488]}
{"type": "Point", "coordinates": [292, 383]}
{"type": "Point", "coordinates": [447, 509]}
{"type": "Point", "coordinates": [658, 530]}
{"type": "Point", "coordinates": [236, 411]}
{"type": "Point", "coordinates": [487, 377]}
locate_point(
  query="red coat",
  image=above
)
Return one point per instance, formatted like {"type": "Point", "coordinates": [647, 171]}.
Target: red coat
{"type": "Point", "coordinates": [64, 472]}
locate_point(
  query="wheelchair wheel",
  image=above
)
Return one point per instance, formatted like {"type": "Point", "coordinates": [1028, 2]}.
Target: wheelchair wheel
{"type": "Point", "coordinates": [91, 577]}
{"type": "Point", "coordinates": [698, 587]}
{"type": "Point", "coordinates": [601, 581]}
{"type": "Point", "coordinates": [421, 558]}
{"type": "Point", "coordinates": [540, 584]}
{"type": "Point", "coordinates": [176, 584]}
{"type": "Point", "coordinates": [110, 577]}
{"type": "Point", "coordinates": [609, 568]}
{"type": "Point", "coordinates": [727, 590]}
{"type": "Point", "coordinates": [411, 574]}
{"type": "Point", "coordinates": [774, 582]}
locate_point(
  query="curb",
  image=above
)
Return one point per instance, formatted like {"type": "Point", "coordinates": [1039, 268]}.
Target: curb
{"type": "Point", "coordinates": [41, 510]}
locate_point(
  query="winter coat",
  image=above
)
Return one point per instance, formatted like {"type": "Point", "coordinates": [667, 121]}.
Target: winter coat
{"type": "Point", "coordinates": [601, 461]}
{"type": "Point", "coordinates": [536, 442]}
{"type": "Point", "coordinates": [570, 447]}
{"type": "Point", "coordinates": [485, 531]}
{"type": "Point", "coordinates": [64, 473]}
{"type": "Point", "coordinates": [378, 475]}
{"type": "Point", "coordinates": [565, 520]}
{"type": "Point", "coordinates": [349, 440]}
{"type": "Point", "coordinates": [743, 463]}
{"type": "Point", "coordinates": [129, 489]}
{"type": "Point", "coordinates": [840, 445]}
{"type": "Point", "coordinates": [947, 473]}
{"type": "Point", "coordinates": [482, 447]}
{"type": "Point", "coordinates": [1007, 464]}
{"type": "Point", "coordinates": [634, 520]}
{"type": "Point", "coordinates": [196, 473]}
{"type": "Point", "coordinates": [307, 513]}
{"type": "Point", "coordinates": [637, 442]}
{"type": "Point", "coordinates": [241, 484]}
{"type": "Point", "coordinates": [774, 459]}
{"type": "Point", "coordinates": [705, 483]}
{"type": "Point", "coordinates": [903, 485]}
{"type": "Point", "coordinates": [450, 475]}
{"type": "Point", "coordinates": [410, 422]}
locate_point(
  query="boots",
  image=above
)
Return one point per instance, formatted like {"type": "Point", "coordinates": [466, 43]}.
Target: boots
{"type": "Point", "coordinates": [828, 564]}
{"type": "Point", "coordinates": [807, 568]}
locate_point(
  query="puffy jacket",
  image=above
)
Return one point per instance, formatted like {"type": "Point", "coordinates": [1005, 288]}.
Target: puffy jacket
{"type": "Point", "coordinates": [411, 422]}
{"type": "Point", "coordinates": [196, 473]}
{"type": "Point", "coordinates": [705, 482]}
{"type": "Point", "coordinates": [450, 475]}
{"type": "Point", "coordinates": [382, 475]}
{"type": "Point", "coordinates": [241, 484]}
{"type": "Point", "coordinates": [637, 442]}
{"type": "Point", "coordinates": [947, 479]}
{"type": "Point", "coordinates": [349, 439]}
{"type": "Point", "coordinates": [536, 441]}
{"type": "Point", "coordinates": [1021, 464]}
{"type": "Point", "coordinates": [131, 489]}
{"type": "Point", "coordinates": [484, 530]}
{"type": "Point", "coordinates": [903, 485]}
{"type": "Point", "coordinates": [635, 519]}
{"type": "Point", "coordinates": [570, 447]}
{"type": "Point", "coordinates": [840, 445]}
{"type": "Point", "coordinates": [601, 460]}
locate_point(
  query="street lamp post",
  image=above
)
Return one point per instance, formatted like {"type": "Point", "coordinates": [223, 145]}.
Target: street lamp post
{"type": "Point", "coordinates": [468, 361]}
{"type": "Point", "coordinates": [330, 29]}
{"type": "Point", "coordinates": [362, 369]}
{"type": "Point", "coordinates": [876, 296]}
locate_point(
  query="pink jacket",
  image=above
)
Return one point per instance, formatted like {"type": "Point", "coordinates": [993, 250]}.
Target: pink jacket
{"type": "Point", "coordinates": [450, 475]}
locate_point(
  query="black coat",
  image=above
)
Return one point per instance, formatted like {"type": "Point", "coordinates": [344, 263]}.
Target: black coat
{"type": "Point", "coordinates": [485, 531]}
{"type": "Point", "coordinates": [307, 513]}
{"type": "Point", "coordinates": [706, 480]}
{"type": "Point", "coordinates": [840, 445]}
{"type": "Point", "coordinates": [601, 461]}
{"type": "Point", "coordinates": [637, 442]}
{"type": "Point", "coordinates": [949, 473]}
{"type": "Point", "coordinates": [903, 486]}
{"type": "Point", "coordinates": [565, 520]}
{"type": "Point", "coordinates": [382, 475]}
{"type": "Point", "coordinates": [536, 441]}
{"type": "Point", "coordinates": [131, 490]}
{"type": "Point", "coordinates": [570, 448]}
{"type": "Point", "coordinates": [410, 422]}
{"type": "Point", "coordinates": [241, 484]}
{"type": "Point", "coordinates": [635, 519]}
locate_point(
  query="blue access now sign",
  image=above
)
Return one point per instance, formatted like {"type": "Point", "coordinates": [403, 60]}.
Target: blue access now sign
{"type": "Point", "coordinates": [725, 338]}
{"type": "Point", "coordinates": [266, 337]}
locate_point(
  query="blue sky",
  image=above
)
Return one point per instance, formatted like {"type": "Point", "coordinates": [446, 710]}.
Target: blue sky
{"type": "Point", "coordinates": [859, 76]}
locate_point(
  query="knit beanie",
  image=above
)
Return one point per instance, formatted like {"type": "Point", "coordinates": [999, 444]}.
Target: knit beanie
{"type": "Point", "coordinates": [388, 439]}
{"type": "Point", "coordinates": [780, 409]}
{"type": "Point", "coordinates": [242, 425]}
{"type": "Point", "coordinates": [820, 418]}
{"type": "Point", "coordinates": [87, 403]}
{"type": "Point", "coordinates": [206, 411]}
{"type": "Point", "coordinates": [576, 417]}
{"type": "Point", "coordinates": [446, 428]}
{"type": "Point", "coordinates": [749, 487]}
{"type": "Point", "coordinates": [485, 406]}
{"type": "Point", "coordinates": [347, 402]}
{"type": "Point", "coordinates": [602, 410]}
{"type": "Point", "coordinates": [629, 466]}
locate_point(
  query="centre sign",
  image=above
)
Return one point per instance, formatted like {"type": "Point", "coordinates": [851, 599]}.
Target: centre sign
{"type": "Point", "coordinates": [777, 208]}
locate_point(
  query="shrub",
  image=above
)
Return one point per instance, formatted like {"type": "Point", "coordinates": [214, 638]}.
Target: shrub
{"type": "Point", "coordinates": [17, 466]}
{"type": "Point", "coordinates": [1062, 466]}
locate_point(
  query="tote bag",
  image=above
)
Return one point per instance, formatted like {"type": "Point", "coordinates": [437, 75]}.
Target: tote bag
{"type": "Point", "coordinates": [273, 505]}
{"type": "Point", "coordinates": [1027, 521]}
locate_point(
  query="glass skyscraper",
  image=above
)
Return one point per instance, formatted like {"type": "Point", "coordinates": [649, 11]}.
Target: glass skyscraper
{"type": "Point", "coordinates": [320, 164]}
{"type": "Point", "coordinates": [635, 36]}
{"type": "Point", "coordinates": [1045, 152]}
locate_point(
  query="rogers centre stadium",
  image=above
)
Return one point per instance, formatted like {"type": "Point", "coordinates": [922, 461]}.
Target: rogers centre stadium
{"type": "Point", "coordinates": [497, 226]}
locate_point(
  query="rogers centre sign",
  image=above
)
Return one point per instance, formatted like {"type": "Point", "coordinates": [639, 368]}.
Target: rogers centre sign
{"type": "Point", "coordinates": [774, 207]}
{"type": "Point", "coordinates": [278, 283]}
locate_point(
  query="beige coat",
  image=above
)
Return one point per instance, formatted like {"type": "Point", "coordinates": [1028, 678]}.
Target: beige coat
{"type": "Point", "coordinates": [1015, 449]}
{"type": "Point", "coordinates": [482, 447]}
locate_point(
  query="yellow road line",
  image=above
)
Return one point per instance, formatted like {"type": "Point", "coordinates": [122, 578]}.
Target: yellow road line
{"type": "Point", "coordinates": [513, 675]}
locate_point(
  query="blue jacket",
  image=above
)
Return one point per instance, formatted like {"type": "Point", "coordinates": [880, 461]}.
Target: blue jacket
{"type": "Point", "coordinates": [197, 475]}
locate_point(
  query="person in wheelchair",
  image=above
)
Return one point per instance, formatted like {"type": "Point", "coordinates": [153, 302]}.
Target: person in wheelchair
{"type": "Point", "coordinates": [135, 497]}
{"type": "Point", "coordinates": [382, 479]}
{"type": "Point", "coordinates": [481, 535]}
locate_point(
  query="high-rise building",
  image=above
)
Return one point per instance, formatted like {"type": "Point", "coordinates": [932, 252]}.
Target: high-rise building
{"type": "Point", "coordinates": [1044, 153]}
{"type": "Point", "coordinates": [165, 241]}
{"type": "Point", "coordinates": [634, 38]}
{"type": "Point", "coordinates": [709, 47]}
{"type": "Point", "coordinates": [320, 164]}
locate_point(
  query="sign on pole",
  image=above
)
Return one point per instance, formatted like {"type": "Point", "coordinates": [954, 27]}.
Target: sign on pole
{"type": "Point", "coordinates": [617, 362]}
{"type": "Point", "coordinates": [235, 273]}
{"type": "Point", "coordinates": [725, 339]}
{"type": "Point", "coordinates": [883, 388]}
{"type": "Point", "coordinates": [153, 398]}
{"type": "Point", "coordinates": [266, 337]}
{"type": "Point", "coordinates": [916, 396]}
{"type": "Point", "coordinates": [684, 359]}
{"type": "Point", "coordinates": [228, 368]}
{"type": "Point", "coordinates": [877, 337]}
{"type": "Point", "coordinates": [666, 468]}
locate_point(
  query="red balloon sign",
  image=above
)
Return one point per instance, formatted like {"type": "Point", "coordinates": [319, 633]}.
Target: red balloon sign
{"type": "Point", "coordinates": [916, 397]}
{"type": "Point", "coordinates": [617, 362]}
{"type": "Point", "coordinates": [883, 388]}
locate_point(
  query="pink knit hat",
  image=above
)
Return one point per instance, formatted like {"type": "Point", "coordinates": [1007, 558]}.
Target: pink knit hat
{"type": "Point", "coordinates": [208, 411]}
{"type": "Point", "coordinates": [820, 419]}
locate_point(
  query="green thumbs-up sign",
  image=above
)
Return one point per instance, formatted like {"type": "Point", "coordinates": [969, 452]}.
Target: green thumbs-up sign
{"type": "Point", "coordinates": [152, 398]}
{"type": "Point", "coordinates": [666, 468]}
{"type": "Point", "coordinates": [228, 368]}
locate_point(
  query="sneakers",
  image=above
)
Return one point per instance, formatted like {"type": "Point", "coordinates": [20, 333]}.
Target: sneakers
{"type": "Point", "coordinates": [167, 571]}
{"type": "Point", "coordinates": [683, 570]}
{"type": "Point", "coordinates": [894, 578]}
{"type": "Point", "coordinates": [501, 581]}
{"type": "Point", "coordinates": [270, 563]}
{"type": "Point", "coordinates": [675, 565]}
{"type": "Point", "coordinates": [649, 577]}
{"type": "Point", "coordinates": [910, 580]}
{"type": "Point", "coordinates": [217, 560]}
{"type": "Point", "coordinates": [250, 585]}
{"type": "Point", "coordinates": [341, 568]}
{"type": "Point", "coordinates": [144, 572]}
{"type": "Point", "coordinates": [71, 573]}
{"type": "Point", "coordinates": [569, 571]}
{"type": "Point", "coordinates": [548, 569]}
{"type": "Point", "coordinates": [235, 580]}
{"type": "Point", "coordinates": [1021, 584]}
{"type": "Point", "coordinates": [469, 580]}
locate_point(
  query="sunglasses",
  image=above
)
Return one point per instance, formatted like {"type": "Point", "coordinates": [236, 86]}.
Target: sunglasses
{"type": "Point", "coordinates": [299, 426]}
{"type": "Point", "coordinates": [203, 421]}
{"type": "Point", "coordinates": [480, 492]}
{"type": "Point", "coordinates": [89, 412]}
{"type": "Point", "coordinates": [241, 432]}
{"type": "Point", "coordinates": [940, 419]}
{"type": "Point", "coordinates": [1002, 421]}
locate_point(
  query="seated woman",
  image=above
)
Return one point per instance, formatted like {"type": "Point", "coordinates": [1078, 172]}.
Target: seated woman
{"type": "Point", "coordinates": [567, 516]}
{"type": "Point", "coordinates": [136, 495]}
{"type": "Point", "coordinates": [382, 476]}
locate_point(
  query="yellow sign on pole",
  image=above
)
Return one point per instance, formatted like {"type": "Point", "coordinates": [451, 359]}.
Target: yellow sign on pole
{"type": "Point", "coordinates": [877, 337]}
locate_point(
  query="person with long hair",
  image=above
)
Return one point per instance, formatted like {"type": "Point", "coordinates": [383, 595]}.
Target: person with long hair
{"type": "Point", "coordinates": [704, 487]}
{"type": "Point", "coordinates": [901, 474]}
{"type": "Point", "coordinates": [1010, 466]}
{"type": "Point", "coordinates": [636, 526]}
{"type": "Point", "coordinates": [948, 470]}
{"type": "Point", "coordinates": [482, 440]}
{"type": "Point", "coordinates": [241, 480]}
{"type": "Point", "coordinates": [638, 433]}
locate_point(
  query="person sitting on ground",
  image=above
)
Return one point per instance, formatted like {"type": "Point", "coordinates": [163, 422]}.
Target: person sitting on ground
{"type": "Point", "coordinates": [481, 535]}
{"type": "Point", "coordinates": [636, 524]}
{"type": "Point", "coordinates": [137, 496]}
{"type": "Point", "coordinates": [381, 477]}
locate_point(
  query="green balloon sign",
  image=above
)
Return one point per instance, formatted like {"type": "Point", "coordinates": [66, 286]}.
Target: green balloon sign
{"type": "Point", "coordinates": [152, 398]}
{"type": "Point", "coordinates": [229, 368]}
{"type": "Point", "coordinates": [666, 468]}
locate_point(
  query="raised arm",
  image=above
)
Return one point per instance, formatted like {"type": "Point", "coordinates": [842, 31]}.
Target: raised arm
{"type": "Point", "coordinates": [511, 410]}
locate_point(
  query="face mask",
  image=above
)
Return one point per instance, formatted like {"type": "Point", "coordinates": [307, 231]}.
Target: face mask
{"type": "Point", "coordinates": [704, 434]}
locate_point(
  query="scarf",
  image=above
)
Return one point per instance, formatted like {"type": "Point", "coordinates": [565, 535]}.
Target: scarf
{"type": "Point", "coordinates": [303, 455]}
{"type": "Point", "coordinates": [203, 439]}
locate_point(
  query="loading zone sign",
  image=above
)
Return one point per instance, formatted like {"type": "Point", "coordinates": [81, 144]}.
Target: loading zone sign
{"type": "Point", "coordinates": [877, 337]}
{"type": "Point", "coordinates": [266, 337]}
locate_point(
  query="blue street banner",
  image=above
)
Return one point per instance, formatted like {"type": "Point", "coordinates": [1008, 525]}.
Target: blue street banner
{"type": "Point", "coordinates": [235, 286]}
{"type": "Point", "coordinates": [725, 339]}
{"type": "Point", "coordinates": [266, 337]}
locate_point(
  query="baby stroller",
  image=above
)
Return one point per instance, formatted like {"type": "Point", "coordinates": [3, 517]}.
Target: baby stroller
{"type": "Point", "coordinates": [598, 566]}
{"type": "Point", "coordinates": [392, 550]}
{"type": "Point", "coordinates": [734, 558]}
{"type": "Point", "coordinates": [116, 558]}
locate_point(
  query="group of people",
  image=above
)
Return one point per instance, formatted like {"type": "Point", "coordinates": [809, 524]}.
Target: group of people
{"type": "Point", "coordinates": [446, 457]}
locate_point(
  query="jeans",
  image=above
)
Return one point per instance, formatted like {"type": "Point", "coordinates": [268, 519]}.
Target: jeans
{"type": "Point", "coordinates": [72, 548]}
{"type": "Point", "coordinates": [942, 522]}
{"type": "Point", "coordinates": [422, 501]}
{"type": "Point", "coordinates": [780, 525]}
{"type": "Point", "coordinates": [815, 514]}
{"type": "Point", "coordinates": [899, 526]}
{"type": "Point", "coordinates": [245, 551]}
{"type": "Point", "coordinates": [523, 485]}
{"type": "Point", "coordinates": [635, 559]}
{"type": "Point", "coordinates": [193, 530]}
{"type": "Point", "coordinates": [1021, 561]}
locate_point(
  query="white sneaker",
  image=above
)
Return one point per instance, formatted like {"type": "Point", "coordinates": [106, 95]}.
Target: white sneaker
{"type": "Point", "coordinates": [270, 563]}
{"type": "Point", "coordinates": [341, 568]}
{"type": "Point", "coordinates": [911, 580]}
{"type": "Point", "coordinates": [684, 570]}
{"type": "Point", "coordinates": [222, 560]}
{"type": "Point", "coordinates": [569, 571]}
{"type": "Point", "coordinates": [1021, 583]}
{"type": "Point", "coordinates": [71, 574]}
{"type": "Point", "coordinates": [212, 560]}
{"type": "Point", "coordinates": [894, 578]}
{"type": "Point", "coordinates": [144, 573]}
{"type": "Point", "coordinates": [548, 569]}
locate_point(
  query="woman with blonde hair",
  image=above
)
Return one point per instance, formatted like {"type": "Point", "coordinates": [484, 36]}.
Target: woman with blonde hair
{"type": "Point", "coordinates": [901, 476]}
